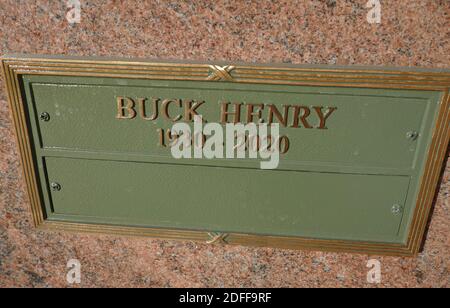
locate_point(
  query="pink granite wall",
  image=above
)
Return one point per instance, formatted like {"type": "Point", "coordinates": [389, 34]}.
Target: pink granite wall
{"type": "Point", "coordinates": [412, 33]}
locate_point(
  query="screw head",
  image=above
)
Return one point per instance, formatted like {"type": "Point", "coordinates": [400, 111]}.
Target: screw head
{"type": "Point", "coordinates": [412, 135]}
{"type": "Point", "coordinates": [45, 116]}
{"type": "Point", "coordinates": [55, 186]}
{"type": "Point", "coordinates": [397, 209]}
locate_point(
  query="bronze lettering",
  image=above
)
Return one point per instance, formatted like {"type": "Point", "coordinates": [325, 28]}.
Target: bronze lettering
{"type": "Point", "coordinates": [302, 117]}
{"type": "Point", "coordinates": [273, 110]}
{"type": "Point", "coordinates": [190, 108]}
{"type": "Point", "coordinates": [251, 113]}
{"type": "Point", "coordinates": [224, 113]}
{"type": "Point", "coordinates": [323, 117]}
{"type": "Point", "coordinates": [283, 144]}
{"type": "Point", "coordinates": [297, 116]}
{"type": "Point", "coordinates": [165, 108]}
{"type": "Point", "coordinates": [142, 109]}
{"type": "Point", "coordinates": [125, 111]}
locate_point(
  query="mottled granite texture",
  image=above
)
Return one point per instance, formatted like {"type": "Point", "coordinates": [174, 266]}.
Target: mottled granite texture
{"type": "Point", "coordinates": [412, 33]}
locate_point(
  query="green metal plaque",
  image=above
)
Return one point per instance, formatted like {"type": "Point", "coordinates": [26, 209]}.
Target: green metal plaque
{"type": "Point", "coordinates": [359, 151]}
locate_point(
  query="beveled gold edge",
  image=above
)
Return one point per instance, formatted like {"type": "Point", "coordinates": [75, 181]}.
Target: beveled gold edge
{"type": "Point", "coordinates": [203, 72]}
{"type": "Point", "coordinates": [236, 73]}
{"type": "Point", "coordinates": [263, 76]}
{"type": "Point", "coordinates": [244, 66]}
{"type": "Point", "coordinates": [341, 81]}
{"type": "Point", "coordinates": [233, 238]}
{"type": "Point", "coordinates": [317, 82]}
{"type": "Point", "coordinates": [430, 178]}
{"type": "Point", "coordinates": [23, 141]}
{"type": "Point", "coordinates": [428, 181]}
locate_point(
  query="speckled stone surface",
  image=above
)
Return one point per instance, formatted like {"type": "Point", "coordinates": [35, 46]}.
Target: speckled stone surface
{"type": "Point", "coordinates": [412, 33]}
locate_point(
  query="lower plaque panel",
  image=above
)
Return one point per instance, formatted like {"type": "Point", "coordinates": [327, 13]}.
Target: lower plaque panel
{"type": "Point", "coordinates": [223, 199]}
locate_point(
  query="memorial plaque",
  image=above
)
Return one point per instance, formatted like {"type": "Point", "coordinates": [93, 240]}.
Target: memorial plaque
{"type": "Point", "coordinates": [359, 151]}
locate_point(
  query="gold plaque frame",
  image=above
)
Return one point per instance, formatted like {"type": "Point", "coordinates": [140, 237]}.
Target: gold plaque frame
{"type": "Point", "coordinates": [435, 80]}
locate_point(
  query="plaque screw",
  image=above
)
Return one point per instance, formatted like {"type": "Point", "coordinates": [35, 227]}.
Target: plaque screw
{"type": "Point", "coordinates": [55, 186]}
{"type": "Point", "coordinates": [397, 209]}
{"type": "Point", "coordinates": [412, 135]}
{"type": "Point", "coordinates": [45, 117]}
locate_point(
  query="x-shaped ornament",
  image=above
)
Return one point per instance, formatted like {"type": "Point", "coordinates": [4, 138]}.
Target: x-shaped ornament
{"type": "Point", "coordinates": [217, 238]}
{"type": "Point", "coordinates": [221, 73]}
